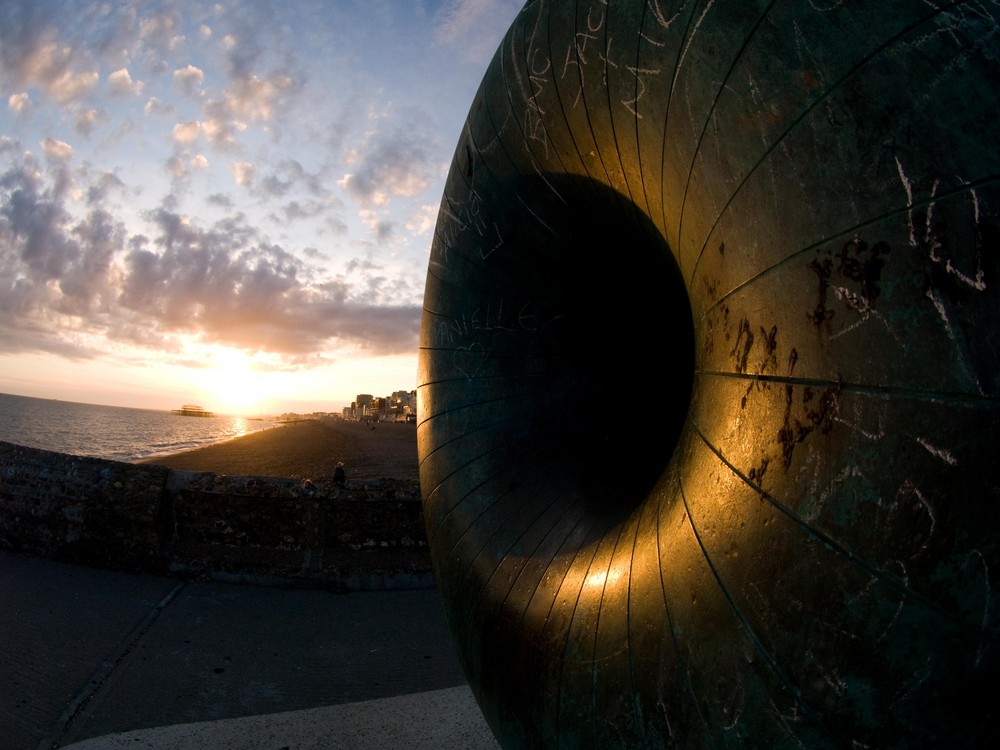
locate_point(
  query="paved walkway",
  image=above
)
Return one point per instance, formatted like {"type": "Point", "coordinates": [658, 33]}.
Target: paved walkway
{"type": "Point", "coordinates": [94, 654]}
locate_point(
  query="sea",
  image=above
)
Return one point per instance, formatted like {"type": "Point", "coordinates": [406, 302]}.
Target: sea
{"type": "Point", "coordinates": [114, 432]}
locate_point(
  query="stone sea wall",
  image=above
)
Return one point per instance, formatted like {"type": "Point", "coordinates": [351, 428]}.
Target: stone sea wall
{"type": "Point", "coordinates": [264, 530]}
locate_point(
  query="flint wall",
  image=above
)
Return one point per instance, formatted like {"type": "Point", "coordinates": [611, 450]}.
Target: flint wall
{"type": "Point", "coordinates": [264, 530]}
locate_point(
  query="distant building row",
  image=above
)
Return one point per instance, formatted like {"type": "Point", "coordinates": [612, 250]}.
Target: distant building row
{"type": "Point", "coordinates": [401, 406]}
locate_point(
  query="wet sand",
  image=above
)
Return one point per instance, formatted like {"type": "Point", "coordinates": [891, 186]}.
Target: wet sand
{"type": "Point", "coordinates": [309, 450]}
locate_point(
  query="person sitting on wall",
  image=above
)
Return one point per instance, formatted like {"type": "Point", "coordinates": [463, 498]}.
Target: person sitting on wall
{"type": "Point", "coordinates": [338, 473]}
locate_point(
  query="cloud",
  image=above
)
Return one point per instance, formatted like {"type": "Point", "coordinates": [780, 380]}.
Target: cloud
{"type": "Point", "coordinates": [87, 120]}
{"type": "Point", "coordinates": [275, 186]}
{"type": "Point", "coordinates": [422, 220]}
{"type": "Point", "coordinates": [62, 278]}
{"type": "Point", "coordinates": [70, 87]}
{"type": "Point", "coordinates": [160, 34]}
{"type": "Point", "coordinates": [221, 200]}
{"type": "Point", "coordinates": [396, 160]}
{"type": "Point", "coordinates": [256, 99]}
{"type": "Point", "coordinates": [32, 59]}
{"type": "Point", "coordinates": [105, 184]}
{"type": "Point", "coordinates": [176, 168]}
{"type": "Point", "coordinates": [295, 210]}
{"type": "Point", "coordinates": [51, 267]}
{"type": "Point", "coordinates": [57, 150]}
{"type": "Point", "coordinates": [228, 285]}
{"type": "Point", "coordinates": [19, 102]}
{"type": "Point", "coordinates": [120, 83]}
{"type": "Point", "coordinates": [55, 50]}
{"type": "Point", "coordinates": [248, 99]}
{"type": "Point", "coordinates": [382, 229]}
{"type": "Point", "coordinates": [185, 133]}
{"type": "Point", "coordinates": [189, 79]}
{"type": "Point", "coordinates": [87, 285]}
{"type": "Point", "coordinates": [244, 173]}
{"type": "Point", "coordinates": [219, 128]}
{"type": "Point", "coordinates": [290, 176]}
{"type": "Point", "coordinates": [156, 107]}
{"type": "Point", "coordinates": [179, 165]}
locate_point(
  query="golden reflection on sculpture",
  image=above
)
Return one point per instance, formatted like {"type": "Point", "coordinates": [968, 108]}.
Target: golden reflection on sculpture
{"type": "Point", "coordinates": [743, 207]}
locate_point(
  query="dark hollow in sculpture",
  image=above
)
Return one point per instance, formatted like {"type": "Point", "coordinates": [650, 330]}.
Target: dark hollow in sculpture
{"type": "Point", "coordinates": [709, 376]}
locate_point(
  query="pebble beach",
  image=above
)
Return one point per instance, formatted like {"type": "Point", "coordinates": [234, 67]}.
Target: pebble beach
{"type": "Point", "coordinates": [309, 449]}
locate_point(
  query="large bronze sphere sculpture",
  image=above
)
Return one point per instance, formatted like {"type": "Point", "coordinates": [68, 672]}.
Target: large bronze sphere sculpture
{"type": "Point", "coordinates": [709, 375]}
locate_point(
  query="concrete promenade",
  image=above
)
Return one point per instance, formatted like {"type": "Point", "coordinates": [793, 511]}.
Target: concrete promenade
{"type": "Point", "coordinates": [110, 660]}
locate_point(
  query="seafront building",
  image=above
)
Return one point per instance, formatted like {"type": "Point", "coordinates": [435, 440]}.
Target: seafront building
{"type": "Point", "coordinates": [400, 406]}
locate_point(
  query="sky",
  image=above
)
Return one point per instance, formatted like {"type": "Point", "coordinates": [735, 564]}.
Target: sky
{"type": "Point", "coordinates": [228, 204]}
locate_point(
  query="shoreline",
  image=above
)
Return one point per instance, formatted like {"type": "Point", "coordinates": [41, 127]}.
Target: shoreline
{"type": "Point", "coordinates": [307, 449]}
{"type": "Point", "coordinates": [114, 433]}
{"type": "Point", "coordinates": [149, 458]}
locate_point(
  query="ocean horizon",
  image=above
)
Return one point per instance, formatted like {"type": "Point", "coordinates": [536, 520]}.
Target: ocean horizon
{"type": "Point", "coordinates": [119, 433]}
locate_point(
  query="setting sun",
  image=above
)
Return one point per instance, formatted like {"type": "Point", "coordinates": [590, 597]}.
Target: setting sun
{"type": "Point", "coordinates": [234, 382]}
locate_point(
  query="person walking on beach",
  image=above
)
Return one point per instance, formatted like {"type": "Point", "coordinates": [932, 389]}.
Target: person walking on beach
{"type": "Point", "coordinates": [338, 473]}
